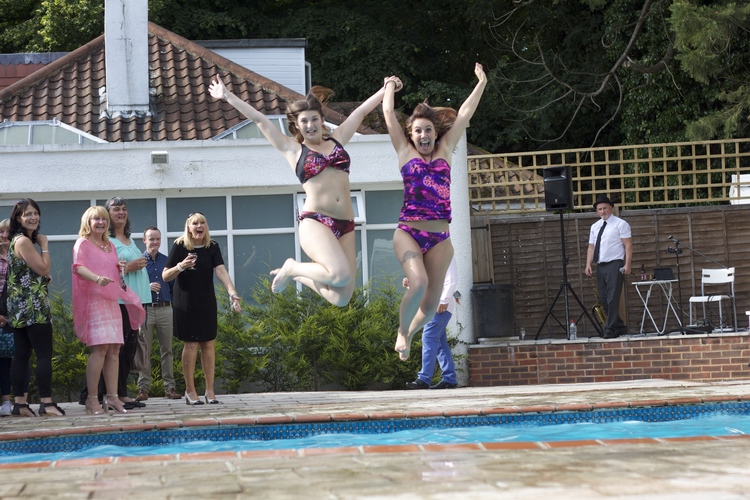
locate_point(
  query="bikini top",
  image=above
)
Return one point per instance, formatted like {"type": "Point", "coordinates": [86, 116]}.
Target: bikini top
{"type": "Point", "coordinates": [311, 163]}
{"type": "Point", "coordinates": [427, 190]}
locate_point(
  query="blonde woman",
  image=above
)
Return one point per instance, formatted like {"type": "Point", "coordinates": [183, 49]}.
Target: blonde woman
{"type": "Point", "coordinates": [192, 262]}
{"type": "Point", "coordinates": [96, 311]}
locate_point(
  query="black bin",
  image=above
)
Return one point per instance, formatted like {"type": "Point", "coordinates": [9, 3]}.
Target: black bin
{"type": "Point", "coordinates": [493, 311]}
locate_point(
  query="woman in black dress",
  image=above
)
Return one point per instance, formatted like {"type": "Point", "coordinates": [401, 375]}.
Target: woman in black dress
{"type": "Point", "coordinates": [192, 261]}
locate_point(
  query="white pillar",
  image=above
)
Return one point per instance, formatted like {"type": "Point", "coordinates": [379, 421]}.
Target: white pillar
{"type": "Point", "coordinates": [461, 324]}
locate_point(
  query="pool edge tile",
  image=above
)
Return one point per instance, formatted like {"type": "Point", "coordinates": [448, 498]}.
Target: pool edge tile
{"type": "Point", "coordinates": [514, 445]}
{"type": "Point", "coordinates": [403, 448]}
{"type": "Point", "coordinates": [287, 452]}
{"type": "Point", "coordinates": [451, 447]}
{"type": "Point", "coordinates": [575, 443]}
{"type": "Point", "coordinates": [312, 419]}
{"type": "Point", "coordinates": [343, 450]}
{"type": "Point", "coordinates": [208, 455]}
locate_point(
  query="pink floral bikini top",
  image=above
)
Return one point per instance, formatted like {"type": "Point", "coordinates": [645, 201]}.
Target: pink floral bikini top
{"type": "Point", "coordinates": [311, 163]}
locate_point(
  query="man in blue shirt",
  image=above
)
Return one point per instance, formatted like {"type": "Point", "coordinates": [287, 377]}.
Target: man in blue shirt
{"type": "Point", "coordinates": [159, 316]}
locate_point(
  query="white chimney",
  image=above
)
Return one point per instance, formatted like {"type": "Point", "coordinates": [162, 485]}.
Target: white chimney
{"type": "Point", "coordinates": [126, 57]}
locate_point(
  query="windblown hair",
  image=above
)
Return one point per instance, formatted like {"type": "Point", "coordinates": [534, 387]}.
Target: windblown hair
{"type": "Point", "coordinates": [4, 224]}
{"type": "Point", "coordinates": [90, 213]}
{"type": "Point", "coordinates": [442, 118]}
{"type": "Point", "coordinates": [186, 241]}
{"type": "Point", "coordinates": [15, 225]}
{"type": "Point", "coordinates": [116, 201]}
{"type": "Point", "coordinates": [313, 101]}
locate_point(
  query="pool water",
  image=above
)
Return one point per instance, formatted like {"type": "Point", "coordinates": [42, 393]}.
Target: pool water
{"type": "Point", "coordinates": [688, 421]}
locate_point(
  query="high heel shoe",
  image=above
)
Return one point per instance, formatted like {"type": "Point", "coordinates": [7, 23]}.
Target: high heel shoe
{"type": "Point", "coordinates": [93, 407]}
{"type": "Point", "coordinates": [212, 401]}
{"type": "Point", "coordinates": [192, 402]}
{"type": "Point", "coordinates": [113, 402]}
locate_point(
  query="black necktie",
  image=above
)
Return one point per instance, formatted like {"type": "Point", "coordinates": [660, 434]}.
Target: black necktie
{"type": "Point", "coordinates": [599, 241]}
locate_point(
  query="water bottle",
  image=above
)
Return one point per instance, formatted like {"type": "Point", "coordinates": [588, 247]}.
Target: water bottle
{"type": "Point", "coordinates": [573, 332]}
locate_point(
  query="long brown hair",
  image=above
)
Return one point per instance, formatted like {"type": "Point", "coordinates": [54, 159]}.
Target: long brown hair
{"type": "Point", "coordinates": [313, 101]}
{"type": "Point", "coordinates": [441, 118]}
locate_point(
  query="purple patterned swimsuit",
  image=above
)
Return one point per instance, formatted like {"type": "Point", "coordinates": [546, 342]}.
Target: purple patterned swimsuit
{"type": "Point", "coordinates": [427, 196]}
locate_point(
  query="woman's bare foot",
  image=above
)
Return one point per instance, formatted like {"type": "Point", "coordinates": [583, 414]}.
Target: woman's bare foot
{"type": "Point", "coordinates": [282, 276]}
{"type": "Point", "coordinates": [403, 346]}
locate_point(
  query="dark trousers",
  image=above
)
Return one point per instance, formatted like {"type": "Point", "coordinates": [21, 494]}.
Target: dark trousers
{"type": "Point", "coordinates": [39, 339]}
{"type": "Point", "coordinates": [127, 353]}
{"type": "Point", "coordinates": [609, 281]}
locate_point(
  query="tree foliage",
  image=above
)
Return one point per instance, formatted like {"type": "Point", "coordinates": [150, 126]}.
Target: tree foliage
{"type": "Point", "coordinates": [561, 73]}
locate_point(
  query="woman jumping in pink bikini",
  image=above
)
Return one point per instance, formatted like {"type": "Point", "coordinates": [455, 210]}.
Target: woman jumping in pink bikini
{"type": "Point", "coordinates": [422, 240]}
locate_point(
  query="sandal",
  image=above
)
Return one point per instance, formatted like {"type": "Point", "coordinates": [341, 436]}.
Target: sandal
{"type": "Point", "coordinates": [22, 410]}
{"type": "Point", "coordinates": [112, 402]}
{"type": "Point", "coordinates": [93, 406]}
{"type": "Point", "coordinates": [43, 410]}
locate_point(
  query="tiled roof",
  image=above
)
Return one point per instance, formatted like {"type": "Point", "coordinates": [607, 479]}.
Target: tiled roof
{"type": "Point", "coordinates": [181, 108]}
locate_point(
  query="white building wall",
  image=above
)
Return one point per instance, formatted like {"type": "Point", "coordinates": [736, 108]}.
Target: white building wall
{"type": "Point", "coordinates": [203, 168]}
{"type": "Point", "coordinates": [284, 65]}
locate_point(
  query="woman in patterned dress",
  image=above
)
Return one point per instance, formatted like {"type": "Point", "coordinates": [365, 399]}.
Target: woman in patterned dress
{"type": "Point", "coordinates": [28, 307]}
{"type": "Point", "coordinates": [96, 313]}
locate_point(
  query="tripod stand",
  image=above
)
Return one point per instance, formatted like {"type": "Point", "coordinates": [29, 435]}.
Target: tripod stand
{"type": "Point", "coordinates": [565, 287]}
{"type": "Point", "coordinates": [706, 327]}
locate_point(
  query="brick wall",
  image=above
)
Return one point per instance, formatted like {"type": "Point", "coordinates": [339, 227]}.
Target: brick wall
{"type": "Point", "coordinates": [711, 357]}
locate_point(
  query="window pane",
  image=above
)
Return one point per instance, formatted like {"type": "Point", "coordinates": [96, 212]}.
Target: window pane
{"type": "Point", "coordinates": [61, 255]}
{"type": "Point", "coordinates": [17, 134]}
{"type": "Point", "coordinates": [141, 212]}
{"type": "Point", "coordinates": [256, 256]}
{"type": "Point", "coordinates": [383, 207]}
{"type": "Point", "coordinates": [64, 136]}
{"type": "Point", "coordinates": [262, 212]}
{"type": "Point", "coordinates": [384, 265]}
{"type": "Point", "coordinates": [42, 134]}
{"type": "Point", "coordinates": [214, 208]}
{"type": "Point", "coordinates": [62, 217]}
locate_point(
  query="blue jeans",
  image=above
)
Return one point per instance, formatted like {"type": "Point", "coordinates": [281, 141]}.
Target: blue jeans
{"type": "Point", "coordinates": [435, 347]}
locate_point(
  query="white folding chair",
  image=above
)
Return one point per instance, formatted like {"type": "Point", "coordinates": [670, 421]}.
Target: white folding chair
{"type": "Point", "coordinates": [714, 280]}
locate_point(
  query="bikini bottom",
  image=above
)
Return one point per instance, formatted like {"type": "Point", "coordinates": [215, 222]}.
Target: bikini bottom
{"type": "Point", "coordinates": [339, 227]}
{"type": "Point", "coordinates": [425, 239]}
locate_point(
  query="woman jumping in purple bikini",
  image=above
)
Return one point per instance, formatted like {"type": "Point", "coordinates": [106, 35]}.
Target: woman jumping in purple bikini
{"type": "Point", "coordinates": [422, 241]}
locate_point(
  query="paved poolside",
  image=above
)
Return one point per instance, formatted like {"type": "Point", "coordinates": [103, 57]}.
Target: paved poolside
{"type": "Point", "coordinates": [676, 468]}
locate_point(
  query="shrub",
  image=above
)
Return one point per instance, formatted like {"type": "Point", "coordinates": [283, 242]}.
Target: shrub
{"type": "Point", "coordinates": [70, 354]}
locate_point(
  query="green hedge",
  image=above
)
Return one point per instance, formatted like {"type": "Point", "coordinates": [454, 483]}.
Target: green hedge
{"type": "Point", "coordinates": [294, 341]}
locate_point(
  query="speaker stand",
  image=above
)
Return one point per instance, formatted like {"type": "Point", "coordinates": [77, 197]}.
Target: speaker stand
{"type": "Point", "coordinates": [565, 287]}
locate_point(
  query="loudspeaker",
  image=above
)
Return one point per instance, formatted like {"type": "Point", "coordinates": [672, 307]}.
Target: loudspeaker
{"type": "Point", "coordinates": [558, 188]}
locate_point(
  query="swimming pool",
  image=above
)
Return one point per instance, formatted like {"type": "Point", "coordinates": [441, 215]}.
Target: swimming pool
{"type": "Point", "coordinates": [717, 419]}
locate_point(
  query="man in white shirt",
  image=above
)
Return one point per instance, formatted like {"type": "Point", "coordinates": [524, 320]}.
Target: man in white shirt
{"type": "Point", "coordinates": [611, 249]}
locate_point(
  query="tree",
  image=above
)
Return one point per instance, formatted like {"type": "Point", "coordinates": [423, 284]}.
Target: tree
{"type": "Point", "coordinates": [713, 48]}
{"type": "Point", "coordinates": [588, 72]}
